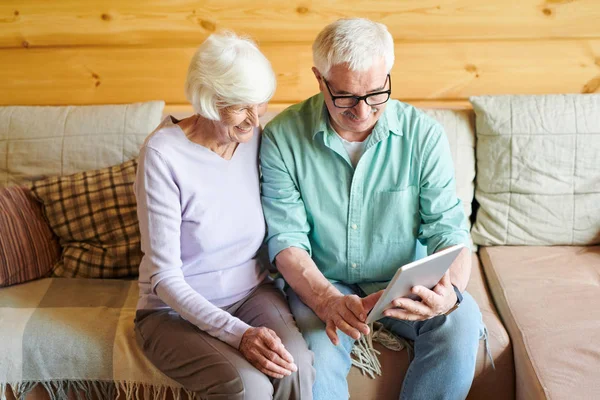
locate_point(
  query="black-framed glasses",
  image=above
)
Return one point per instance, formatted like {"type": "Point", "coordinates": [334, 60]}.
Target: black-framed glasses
{"type": "Point", "coordinates": [372, 99]}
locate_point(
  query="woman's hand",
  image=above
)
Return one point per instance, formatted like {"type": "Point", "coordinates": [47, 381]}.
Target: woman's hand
{"type": "Point", "coordinates": [265, 351]}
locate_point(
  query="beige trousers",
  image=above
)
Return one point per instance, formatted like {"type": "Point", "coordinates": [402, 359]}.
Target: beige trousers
{"type": "Point", "coordinates": [213, 369]}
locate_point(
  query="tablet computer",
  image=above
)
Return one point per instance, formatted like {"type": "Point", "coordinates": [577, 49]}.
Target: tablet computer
{"type": "Point", "coordinates": [425, 272]}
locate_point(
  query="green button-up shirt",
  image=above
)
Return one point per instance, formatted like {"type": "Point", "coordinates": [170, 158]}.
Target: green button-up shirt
{"type": "Point", "coordinates": [359, 224]}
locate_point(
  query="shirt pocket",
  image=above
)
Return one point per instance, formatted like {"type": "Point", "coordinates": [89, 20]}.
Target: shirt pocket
{"type": "Point", "coordinates": [395, 215]}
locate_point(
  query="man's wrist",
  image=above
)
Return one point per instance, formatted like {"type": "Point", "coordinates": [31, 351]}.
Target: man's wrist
{"type": "Point", "coordinates": [459, 299]}
{"type": "Point", "coordinates": [326, 302]}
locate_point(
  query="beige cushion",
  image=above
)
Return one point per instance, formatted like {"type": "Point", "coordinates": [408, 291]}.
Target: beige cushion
{"type": "Point", "coordinates": [489, 384]}
{"type": "Point", "coordinates": [36, 142]}
{"type": "Point", "coordinates": [538, 170]}
{"type": "Point", "coordinates": [548, 299]}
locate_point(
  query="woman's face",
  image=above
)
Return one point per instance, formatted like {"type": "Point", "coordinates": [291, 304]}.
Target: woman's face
{"type": "Point", "coordinates": [240, 120]}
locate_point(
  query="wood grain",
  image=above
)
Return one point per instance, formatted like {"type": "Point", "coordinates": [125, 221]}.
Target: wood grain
{"type": "Point", "coordinates": [186, 23]}
{"type": "Point", "coordinates": [423, 71]}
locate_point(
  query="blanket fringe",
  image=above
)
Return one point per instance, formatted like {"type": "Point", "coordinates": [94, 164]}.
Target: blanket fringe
{"type": "Point", "coordinates": [364, 355]}
{"type": "Point", "coordinates": [90, 390]}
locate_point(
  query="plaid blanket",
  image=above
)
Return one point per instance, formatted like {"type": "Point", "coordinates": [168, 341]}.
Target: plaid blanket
{"type": "Point", "coordinates": [76, 336]}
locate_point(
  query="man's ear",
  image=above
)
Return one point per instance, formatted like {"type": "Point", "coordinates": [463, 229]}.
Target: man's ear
{"type": "Point", "coordinates": [318, 76]}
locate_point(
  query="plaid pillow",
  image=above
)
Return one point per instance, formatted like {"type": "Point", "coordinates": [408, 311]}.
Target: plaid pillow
{"type": "Point", "coordinates": [28, 249]}
{"type": "Point", "coordinates": [94, 215]}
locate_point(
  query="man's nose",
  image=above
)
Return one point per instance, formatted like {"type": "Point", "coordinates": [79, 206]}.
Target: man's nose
{"type": "Point", "coordinates": [362, 110]}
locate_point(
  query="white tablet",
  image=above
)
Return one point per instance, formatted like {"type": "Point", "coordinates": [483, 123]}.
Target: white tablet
{"type": "Point", "coordinates": [425, 272]}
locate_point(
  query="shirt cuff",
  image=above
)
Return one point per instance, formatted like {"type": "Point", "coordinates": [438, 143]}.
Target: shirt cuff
{"type": "Point", "coordinates": [437, 244]}
{"type": "Point", "coordinates": [279, 243]}
{"type": "Point", "coordinates": [233, 336]}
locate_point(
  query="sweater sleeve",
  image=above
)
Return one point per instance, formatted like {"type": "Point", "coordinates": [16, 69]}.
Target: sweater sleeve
{"type": "Point", "coordinates": [159, 214]}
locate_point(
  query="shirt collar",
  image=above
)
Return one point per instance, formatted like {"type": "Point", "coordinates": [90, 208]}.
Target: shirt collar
{"type": "Point", "coordinates": [387, 123]}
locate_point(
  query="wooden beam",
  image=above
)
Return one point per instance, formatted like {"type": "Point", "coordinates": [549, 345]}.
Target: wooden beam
{"type": "Point", "coordinates": [186, 23]}
{"type": "Point", "coordinates": [423, 71]}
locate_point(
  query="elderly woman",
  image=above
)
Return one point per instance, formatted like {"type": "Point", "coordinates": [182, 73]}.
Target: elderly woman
{"type": "Point", "coordinates": [208, 315]}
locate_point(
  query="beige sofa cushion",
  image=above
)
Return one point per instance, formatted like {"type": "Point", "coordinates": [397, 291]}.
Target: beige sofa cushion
{"type": "Point", "coordinates": [489, 384]}
{"type": "Point", "coordinates": [40, 141]}
{"type": "Point", "coordinates": [548, 300]}
{"type": "Point", "coordinates": [538, 170]}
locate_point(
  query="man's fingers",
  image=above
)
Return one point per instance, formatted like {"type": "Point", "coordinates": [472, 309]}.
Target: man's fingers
{"type": "Point", "coordinates": [348, 329]}
{"type": "Point", "coordinates": [330, 329]}
{"type": "Point", "coordinates": [348, 318]}
{"type": "Point", "coordinates": [427, 296]}
{"type": "Point", "coordinates": [398, 313]}
{"type": "Point", "coordinates": [355, 305]}
{"type": "Point", "coordinates": [411, 306]}
{"type": "Point", "coordinates": [446, 279]}
{"type": "Point", "coordinates": [443, 285]}
{"type": "Point", "coordinates": [370, 301]}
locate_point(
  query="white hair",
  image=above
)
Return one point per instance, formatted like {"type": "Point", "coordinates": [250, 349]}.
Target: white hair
{"type": "Point", "coordinates": [228, 70]}
{"type": "Point", "coordinates": [353, 41]}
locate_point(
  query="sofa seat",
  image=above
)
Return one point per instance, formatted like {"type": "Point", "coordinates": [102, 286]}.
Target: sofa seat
{"type": "Point", "coordinates": [75, 334]}
{"type": "Point", "coordinates": [547, 297]}
{"type": "Point", "coordinates": [489, 384]}
{"type": "Point", "coordinates": [81, 330]}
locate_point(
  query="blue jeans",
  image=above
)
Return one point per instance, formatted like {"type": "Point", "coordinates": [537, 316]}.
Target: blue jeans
{"type": "Point", "coordinates": [445, 351]}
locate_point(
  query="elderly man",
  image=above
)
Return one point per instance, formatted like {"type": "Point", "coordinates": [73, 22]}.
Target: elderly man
{"type": "Point", "coordinates": [353, 185]}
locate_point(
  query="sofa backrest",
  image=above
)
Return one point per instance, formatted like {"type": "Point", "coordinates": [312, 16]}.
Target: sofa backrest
{"type": "Point", "coordinates": [36, 142]}
{"type": "Point", "coordinates": [459, 126]}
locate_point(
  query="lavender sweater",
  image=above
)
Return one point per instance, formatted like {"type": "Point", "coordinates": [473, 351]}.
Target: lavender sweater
{"type": "Point", "coordinates": [201, 223]}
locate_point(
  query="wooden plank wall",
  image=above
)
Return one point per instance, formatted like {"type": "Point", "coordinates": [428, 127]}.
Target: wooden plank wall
{"type": "Point", "coordinates": [118, 51]}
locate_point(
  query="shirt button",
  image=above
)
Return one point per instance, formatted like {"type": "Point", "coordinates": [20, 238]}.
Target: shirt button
{"type": "Point", "coordinates": [354, 226]}
{"type": "Point", "coordinates": [354, 265]}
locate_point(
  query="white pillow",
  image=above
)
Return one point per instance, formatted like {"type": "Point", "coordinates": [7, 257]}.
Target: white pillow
{"type": "Point", "coordinates": [39, 141]}
{"type": "Point", "coordinates": [538, 170]}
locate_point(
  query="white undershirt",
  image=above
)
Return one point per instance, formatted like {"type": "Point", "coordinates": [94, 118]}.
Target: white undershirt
{"type": "Point", "coordinates": [355, 149]}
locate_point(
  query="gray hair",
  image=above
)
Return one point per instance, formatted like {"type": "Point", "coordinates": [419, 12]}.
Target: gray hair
{"type": "Point", "coordinates": [355, 41]}
{"type": "Point", "coordinates": [228, 70]}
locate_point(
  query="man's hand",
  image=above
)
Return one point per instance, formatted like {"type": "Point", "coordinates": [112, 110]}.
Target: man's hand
{"type": "Point", "coordinates": [264, 350]}
{"type": "Point", "coordinates": [345, 313]}
{"type": "Point", "coordinates": [348, 314]}
{"type": "Point", "coordinates": [433, 302]}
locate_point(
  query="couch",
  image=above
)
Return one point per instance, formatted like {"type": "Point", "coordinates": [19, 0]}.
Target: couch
{"type": "Point", "coordinates": [537, 286]}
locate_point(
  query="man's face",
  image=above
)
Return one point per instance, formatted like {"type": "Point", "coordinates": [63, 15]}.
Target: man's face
{"type": "Point", "coordinates": [357, 122]}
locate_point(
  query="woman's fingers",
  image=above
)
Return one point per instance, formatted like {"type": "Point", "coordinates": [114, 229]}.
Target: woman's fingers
{"type": "Point", "coordinates": [264, 350]}
{"type": "Point", "coordinates": [270, 367]}
{"type": "Point", "coordinates": [276, 345]}
{"type": "Point", "coordinates": [272, 357]}
{"type": "Point", "coordinates": [275, 363]}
